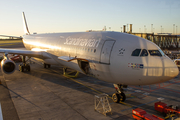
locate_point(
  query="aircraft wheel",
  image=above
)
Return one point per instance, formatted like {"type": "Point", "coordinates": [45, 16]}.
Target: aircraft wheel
{"type": "Point", "coordinates": [116, 97]}
{"type": "Point", "coordinates": [21, 68]}
{"type": "Point", "coordinates": [28, 67]}
{"type": "Point", "coordinates": [122, 97]}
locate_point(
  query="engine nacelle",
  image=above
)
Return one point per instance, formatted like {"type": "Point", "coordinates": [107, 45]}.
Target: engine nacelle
{"type": "Point", "coordinates": [8, 66]}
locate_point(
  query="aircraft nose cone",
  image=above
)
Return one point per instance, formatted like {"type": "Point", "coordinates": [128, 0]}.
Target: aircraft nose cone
{"type": "Point", "coordinates": [174, 71]}
{"type": "Point", "coordinates": [171, 68]}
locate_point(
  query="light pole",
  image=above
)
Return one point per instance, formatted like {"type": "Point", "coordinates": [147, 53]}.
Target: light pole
{"type": "Point", "coordinates": [152, 28]}
{"type": "Point", "coordinates": [144, 29]}
{"type": "Point", "coordinates": [173, 28]}
{"type": "Point", "coordinates": [127, 28]}
{"type": "Point", "coordinates": [176, 29]}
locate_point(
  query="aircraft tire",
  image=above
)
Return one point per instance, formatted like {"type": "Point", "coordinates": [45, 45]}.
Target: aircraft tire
{"type": "Point", "coordinates": [22, 68]}
{"type": "Point", "coordinates": [122, 97]}
{"type": "Point", "coordinates": [116, 97]}
{"type": "Point", "coordinates": [19, 67]}
{"type": "Point", "coordinates": [49, 65]}
{"type": "Point", "coordinates": [28, 68]}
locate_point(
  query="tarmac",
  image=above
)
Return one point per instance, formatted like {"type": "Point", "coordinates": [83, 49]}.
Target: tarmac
{"type": "Point", "coordinates": [45, 94]}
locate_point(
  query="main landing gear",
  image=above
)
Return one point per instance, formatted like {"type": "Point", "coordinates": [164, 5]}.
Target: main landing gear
{"type": "Point", "coordinates": [119, 96]}
{"type": "Point", "coordinates": [24, 66]}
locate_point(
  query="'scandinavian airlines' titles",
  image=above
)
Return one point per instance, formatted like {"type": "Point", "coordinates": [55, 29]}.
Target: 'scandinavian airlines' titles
{"type": "Point", "coordinates": [82, 42]}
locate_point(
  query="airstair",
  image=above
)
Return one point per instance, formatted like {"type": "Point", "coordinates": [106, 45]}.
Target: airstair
{"type": "Point", "coordinates": [102, 104]}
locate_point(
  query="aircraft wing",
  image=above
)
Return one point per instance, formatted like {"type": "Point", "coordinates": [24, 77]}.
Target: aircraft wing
{"type": "Point", "coordinates": [37, 54]}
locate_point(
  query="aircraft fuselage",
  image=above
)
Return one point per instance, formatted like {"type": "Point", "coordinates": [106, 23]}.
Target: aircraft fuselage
{"type": "Point", "coordinates": [109, 56]}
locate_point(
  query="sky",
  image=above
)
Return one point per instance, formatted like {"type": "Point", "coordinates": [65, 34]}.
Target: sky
{"type": "Point", "coordinates": [49, 16]}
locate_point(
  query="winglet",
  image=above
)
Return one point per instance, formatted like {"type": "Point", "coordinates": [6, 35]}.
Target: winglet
{"type": "Point", "coordinates": [26, 30]}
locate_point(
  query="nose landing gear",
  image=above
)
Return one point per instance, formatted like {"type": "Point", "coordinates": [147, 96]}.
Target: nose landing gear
{"type": "Point", "coordinates": [119, 96]}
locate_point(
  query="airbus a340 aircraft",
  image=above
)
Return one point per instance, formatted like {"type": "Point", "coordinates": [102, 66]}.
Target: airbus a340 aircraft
{"type": "Point", "coordinates": [115, 57]}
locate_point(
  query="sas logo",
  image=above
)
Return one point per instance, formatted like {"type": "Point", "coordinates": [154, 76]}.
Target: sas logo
{"type": "Point", "coordinates": [134, 65]}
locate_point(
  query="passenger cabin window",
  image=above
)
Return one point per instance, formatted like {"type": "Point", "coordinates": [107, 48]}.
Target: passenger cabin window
{"type": "Point", "coordinates": [144, 53]}
{"type": "Point", "coordinates": [136, 52]}
{"type": "Point", "coordinates": [155, 53]}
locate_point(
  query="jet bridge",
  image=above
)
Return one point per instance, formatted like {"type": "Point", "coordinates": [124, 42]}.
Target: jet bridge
{"type": "Point", "coordinates": [164, 41]}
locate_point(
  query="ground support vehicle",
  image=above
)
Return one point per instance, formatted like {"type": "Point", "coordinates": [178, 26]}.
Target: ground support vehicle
{"type": "Point", "coordinates": [166, 109]}
{"type": "Point", "coordinates": [140, 114]}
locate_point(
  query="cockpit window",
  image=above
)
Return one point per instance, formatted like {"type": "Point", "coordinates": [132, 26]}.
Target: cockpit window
{"type": "Point", "coordinates": [144, 53]}
{"type": "Point", "coordinates": [155, 53]}
{"type": "Point", "coordinates": [136, 52]}
{"type": "Point", "coordinates": [161, 52]}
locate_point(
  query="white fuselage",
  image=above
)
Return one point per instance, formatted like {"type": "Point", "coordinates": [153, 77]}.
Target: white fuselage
{"type": "Point", "coordinates": [109, 55]}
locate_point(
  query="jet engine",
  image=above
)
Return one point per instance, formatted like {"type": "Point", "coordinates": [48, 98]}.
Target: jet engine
{"type": "Point", "coordinates": [8, 66]}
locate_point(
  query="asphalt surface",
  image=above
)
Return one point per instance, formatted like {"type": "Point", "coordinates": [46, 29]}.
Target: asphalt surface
{"type": "Point", "coordinates": [8, 109]}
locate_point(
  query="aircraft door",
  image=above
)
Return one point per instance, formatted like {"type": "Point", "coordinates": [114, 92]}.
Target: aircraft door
{"type": "Point", "coordinates": [106, 51]}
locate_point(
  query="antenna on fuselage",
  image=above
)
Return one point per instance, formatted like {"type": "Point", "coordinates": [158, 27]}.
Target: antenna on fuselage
{"type": "Point", "coordinates": [26, 30]}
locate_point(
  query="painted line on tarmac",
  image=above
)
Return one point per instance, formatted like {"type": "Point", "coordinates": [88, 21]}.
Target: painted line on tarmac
{"type": "Point", "coordinates": [171, 90]}
{"type": "Point", "coordinates": [1, 116]}
{"type": "Point", "coordinates": [85, 85]}
{"type": "Point", "coordinates": [73, 80]}
{"type": "Point", "coordinates": [93, 89]}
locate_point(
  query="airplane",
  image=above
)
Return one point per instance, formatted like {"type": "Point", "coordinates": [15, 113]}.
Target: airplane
{"type": "Point", "coordinates": [119, 58]}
